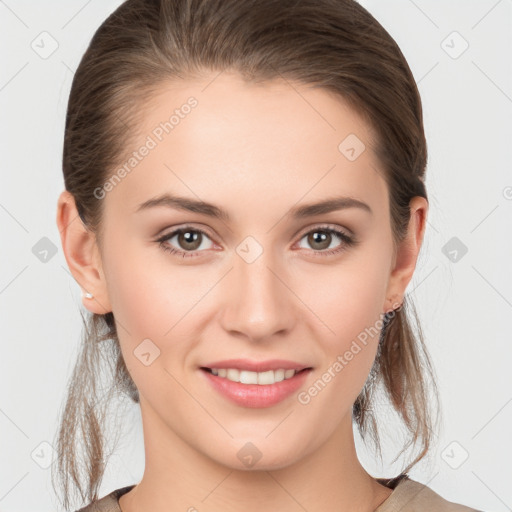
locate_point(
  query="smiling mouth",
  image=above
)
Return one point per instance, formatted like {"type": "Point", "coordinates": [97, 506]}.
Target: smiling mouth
{"type": "Point", "coordinates": [249, 377]}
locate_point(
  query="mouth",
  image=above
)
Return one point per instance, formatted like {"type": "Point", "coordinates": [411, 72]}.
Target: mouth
{"type": "Point", "coordinates": [256, 389]}
{"type": "Point", "coordinates": [263, 378]}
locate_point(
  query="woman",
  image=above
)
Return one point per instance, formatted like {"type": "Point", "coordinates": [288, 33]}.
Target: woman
{"type": "Point", "coordinates": [244, 208]}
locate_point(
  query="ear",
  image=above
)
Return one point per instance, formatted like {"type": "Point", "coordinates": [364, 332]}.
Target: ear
{"type": "Point", "coordinates": [407, 253]}
{"type": "Point", "coordinates": [82, 254]}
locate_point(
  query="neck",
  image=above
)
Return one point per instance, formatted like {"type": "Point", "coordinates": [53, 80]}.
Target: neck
{"type": "Point", "coordinates": [179, 477]}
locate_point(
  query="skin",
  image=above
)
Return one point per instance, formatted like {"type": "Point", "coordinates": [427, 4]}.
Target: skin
{"type": "Point", "coordinates": [256, 151]}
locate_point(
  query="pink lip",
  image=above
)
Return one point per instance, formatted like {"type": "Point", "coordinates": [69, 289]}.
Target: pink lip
{"type": "Point", "coordinates": [257, 366]}
{"type": "Point", "coordinates": [256, 395]}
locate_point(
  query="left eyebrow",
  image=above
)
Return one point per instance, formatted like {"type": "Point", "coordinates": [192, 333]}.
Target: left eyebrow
{"type": "Point", "coordinates": [327, 206]}
{"type": "Point", "coordinates": [211, 210]}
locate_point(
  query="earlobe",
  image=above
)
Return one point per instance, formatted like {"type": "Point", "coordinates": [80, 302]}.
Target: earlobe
{"type": "Point", "coordinates": [407, 253]}
{"type": "Point", "coordinates": [82, 255]}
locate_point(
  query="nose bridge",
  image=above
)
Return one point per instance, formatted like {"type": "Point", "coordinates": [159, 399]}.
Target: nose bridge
{"type": "Point", "coordinates": [259, 303]}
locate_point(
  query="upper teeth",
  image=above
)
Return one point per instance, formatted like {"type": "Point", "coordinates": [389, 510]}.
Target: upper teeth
{"type": "Point", "coordinates": [247, 377]}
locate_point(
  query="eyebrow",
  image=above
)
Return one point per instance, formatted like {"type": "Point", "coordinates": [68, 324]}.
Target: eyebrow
{"type": "Point", "coordinates": [298, 212]}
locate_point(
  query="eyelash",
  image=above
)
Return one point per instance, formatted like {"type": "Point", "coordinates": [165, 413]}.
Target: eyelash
{"type": "Point", "coordinates": [348, 241]}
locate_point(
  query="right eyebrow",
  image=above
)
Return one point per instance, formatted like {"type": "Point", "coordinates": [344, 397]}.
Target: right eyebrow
{"type": "Point", "coordinates": [187, 204]}
{"type": "Point", "coordinates": [211, 210]}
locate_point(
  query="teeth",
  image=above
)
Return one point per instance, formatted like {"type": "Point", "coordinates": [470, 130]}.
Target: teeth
{"type": "Point", "coordinates": [246, 377]}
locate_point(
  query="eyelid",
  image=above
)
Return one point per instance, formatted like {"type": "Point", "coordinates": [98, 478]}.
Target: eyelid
{"type": "Point", "coordinates": [319, 226]}
{"type": "Point", "coordinates": [180, 227]}
{"type": "Point", "coordinates": [176, 230]}
{"type": "Point", "coordinates": [346, 236]}
{"type": "Point", "coordinates": [304, 231]}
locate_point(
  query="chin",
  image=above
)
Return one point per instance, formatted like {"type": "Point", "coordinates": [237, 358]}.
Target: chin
{"type": "Point", "coordinates": [249, 456]}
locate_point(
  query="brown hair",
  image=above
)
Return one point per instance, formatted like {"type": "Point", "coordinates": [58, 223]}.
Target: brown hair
{"type": "Point", "coordinates": [332, 44]}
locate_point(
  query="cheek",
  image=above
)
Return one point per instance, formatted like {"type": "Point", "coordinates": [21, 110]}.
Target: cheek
{"type": "Point", "coordinates": [348, 302]}
{"type": "Point", "coordinates": [352, 311]}
{"type": "Point", "coordinates": [349, 298]}
{"type": "Point", "coordinates": [150, 304]}
{"type": "Point", "coordinates": [156, 300]}
{"type": "Point", "coordinates": [148, 295]}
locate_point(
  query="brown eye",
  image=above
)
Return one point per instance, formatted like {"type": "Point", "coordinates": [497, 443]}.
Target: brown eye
{"type": "Point", "coordinates": [188, 242]}
{"type": "Point", "coordinates": [320, 240]}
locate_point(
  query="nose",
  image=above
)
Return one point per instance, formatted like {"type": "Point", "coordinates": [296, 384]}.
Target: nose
{"type": "Point", "coordinates": [259, 303]}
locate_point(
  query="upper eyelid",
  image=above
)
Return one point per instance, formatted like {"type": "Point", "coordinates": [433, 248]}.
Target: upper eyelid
{"type": "Point", "coordinates": [173, 232]}
{"type": "Point", "coordinates": [301, 233]}
{"type": "Point", "coordinates": [326, 227]}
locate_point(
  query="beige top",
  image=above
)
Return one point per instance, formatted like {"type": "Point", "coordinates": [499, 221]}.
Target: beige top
{"type": "Point", "coordinates": [407, 496]}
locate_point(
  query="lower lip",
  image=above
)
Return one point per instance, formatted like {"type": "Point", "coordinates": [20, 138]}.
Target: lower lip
{"type": "Point", "coordinates": [256, 395]}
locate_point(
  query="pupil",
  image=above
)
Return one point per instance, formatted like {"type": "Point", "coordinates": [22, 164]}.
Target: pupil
{"type": "Point", "coordinates": [190, 239]}
{"type": "Point", "coordinates": [322, 238]}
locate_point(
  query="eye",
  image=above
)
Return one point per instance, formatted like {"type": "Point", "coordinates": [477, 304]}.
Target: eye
{"type": "Point", "coordinates": [188, 238]}
{"type": "Point", "coordinates": [322, 237]}
{"type": "Point", "coordinates": [191, 240]}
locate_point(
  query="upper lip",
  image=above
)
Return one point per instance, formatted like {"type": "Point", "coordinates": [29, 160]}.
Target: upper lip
{"type": "Point", "coordinates": [257, 366]}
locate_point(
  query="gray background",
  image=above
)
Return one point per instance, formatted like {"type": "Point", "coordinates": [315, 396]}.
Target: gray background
{"type": "Point", "coordinates": [464, 298]}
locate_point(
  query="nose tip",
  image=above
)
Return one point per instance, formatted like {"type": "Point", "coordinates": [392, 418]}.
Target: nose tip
{"type": "Point", "coordinates": [258, 303]}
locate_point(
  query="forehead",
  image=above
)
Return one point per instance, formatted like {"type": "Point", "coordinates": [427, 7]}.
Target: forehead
{"type": "Point", "coordinates": [220, 137]}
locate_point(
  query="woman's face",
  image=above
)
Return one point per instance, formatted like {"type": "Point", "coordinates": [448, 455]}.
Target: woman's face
{"type": "Point", "coordinates": [256, 274]}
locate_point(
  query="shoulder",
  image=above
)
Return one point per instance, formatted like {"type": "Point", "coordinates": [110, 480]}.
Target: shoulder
{"type": "Point", "coordinates": [109, 503]}
{"type": "Point", "coordinates": [412, 496]}
{"type": "Point", "coordinates": [408, 496]}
